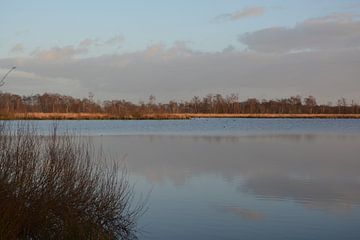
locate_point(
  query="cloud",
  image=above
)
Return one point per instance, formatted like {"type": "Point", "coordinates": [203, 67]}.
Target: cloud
{"type": "Point", "coordinates": [239, 15]}
{"type": "Point", "coordinates": [88, 42]}
{"type": "Point", "coordinates": [71, 51]}
{"type": "Point", "coordinates": [351, 6]}
{"type": "Point", "coordinates": [116, 40]}
{"type": "Point", "coordinates": [59, 53]}
{"type": "Point", "coordinates": [305, 59]}
{"type": "Point", "coordinates": [336, 31]}
{"type": "Point", "coordinates": [180, 49]}
{"type": "Point", "coordinates": [229, 49]}
{"type": "Point", "coordinates": [18, 48]}
{"type": "Point", "coordinates": [180, 71]}
{"type": "Point", "coordinates": [30, 83]}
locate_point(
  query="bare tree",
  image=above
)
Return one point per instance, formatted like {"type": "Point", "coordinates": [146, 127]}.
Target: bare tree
{"type": "Point", "coordinates": [211, 103]}
{"type": "Point", "coordinates": [2, 81]}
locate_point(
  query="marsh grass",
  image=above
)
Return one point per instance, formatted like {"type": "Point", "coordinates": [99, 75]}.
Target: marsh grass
{"type": "Point", "coordinates": [58, 187]}
{"type": "Point", "coordinates": [164, 116]}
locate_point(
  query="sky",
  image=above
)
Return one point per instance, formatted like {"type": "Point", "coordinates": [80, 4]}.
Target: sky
{"type": "Point", "coordinates": [177, 49]}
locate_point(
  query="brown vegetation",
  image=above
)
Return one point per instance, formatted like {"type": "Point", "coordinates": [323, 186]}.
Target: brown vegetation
{"type": "Point", "coordinates": [58, 116]}
{"type": "Point", "coordinates": [54, 187]}
{"type": "Point", "coordinates": [55, 106]}
{"type": "Point", "coordinates": [246, 115]}
{"type": "Point", "coordinates": [166, 116]}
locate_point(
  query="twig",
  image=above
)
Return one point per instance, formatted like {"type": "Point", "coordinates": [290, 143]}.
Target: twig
{"type": "Point", "coordinates": [2, 82]}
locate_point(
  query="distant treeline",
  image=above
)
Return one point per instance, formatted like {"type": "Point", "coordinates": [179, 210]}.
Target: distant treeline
{"type": "Point", "coordinates": [211, 103]}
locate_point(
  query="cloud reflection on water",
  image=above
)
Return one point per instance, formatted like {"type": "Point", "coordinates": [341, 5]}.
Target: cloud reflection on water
{"type": "Point", "coordinates": [314, 170]}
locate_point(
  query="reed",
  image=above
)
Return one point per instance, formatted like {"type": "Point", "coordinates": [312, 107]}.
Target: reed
{"type": "Point", "coordinates": [163, 116]}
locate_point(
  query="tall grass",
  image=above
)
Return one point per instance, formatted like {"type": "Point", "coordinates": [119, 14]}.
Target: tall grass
{"type": "Point", "coordinates": [56, 187]}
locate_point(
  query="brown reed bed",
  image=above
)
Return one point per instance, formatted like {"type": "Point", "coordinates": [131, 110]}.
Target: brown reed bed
{"type": "Point", "coordinates": [268, 115]}
{"type": "Point", "coordinates": [164, 116]}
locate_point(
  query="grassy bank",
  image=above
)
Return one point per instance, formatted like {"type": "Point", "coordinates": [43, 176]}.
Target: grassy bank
{"type": "Point", "coordinates": [100, 116]}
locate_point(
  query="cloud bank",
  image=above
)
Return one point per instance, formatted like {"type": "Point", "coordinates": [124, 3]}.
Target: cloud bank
{"type": "Point", "coordinates": [337, 31]}
{"type": "Point", "coordinates": [318, 56]}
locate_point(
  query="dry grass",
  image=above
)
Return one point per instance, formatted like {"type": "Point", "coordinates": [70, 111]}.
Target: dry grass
{"type": "Point", "coordinates": [60, 116]}
{"type": "Point", "coordinates": [54, 187]}
{"type": "Point", "coordinates": [202, 115]}
{"type": "Point", "coordinates": [224, 115]}
{"type": "Point", "coordinates": [160, 116]}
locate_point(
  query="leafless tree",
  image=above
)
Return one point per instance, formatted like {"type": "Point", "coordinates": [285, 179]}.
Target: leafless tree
{"type": "Point", "coordinates": [211, 103]}
{"type": "Point", "coordinates": [2, 81]}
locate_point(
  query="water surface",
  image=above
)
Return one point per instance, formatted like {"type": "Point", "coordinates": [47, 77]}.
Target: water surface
{"type": "Point", "coordinates": [239, 178]}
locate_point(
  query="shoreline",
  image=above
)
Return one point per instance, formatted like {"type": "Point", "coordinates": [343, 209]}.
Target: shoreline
{"type": "Point", "coordinates": [166, 116]}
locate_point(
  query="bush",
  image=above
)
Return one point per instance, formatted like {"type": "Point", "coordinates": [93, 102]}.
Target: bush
{"type": "Point", "coordinates": [57, 187]}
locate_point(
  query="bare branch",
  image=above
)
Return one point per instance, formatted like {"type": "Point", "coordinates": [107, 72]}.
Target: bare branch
{"type": "Point", "coordinates": [2, 82]}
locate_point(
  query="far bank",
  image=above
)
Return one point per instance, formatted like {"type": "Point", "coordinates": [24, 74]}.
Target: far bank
{"type": "Point", "coordinates": [164, 116]}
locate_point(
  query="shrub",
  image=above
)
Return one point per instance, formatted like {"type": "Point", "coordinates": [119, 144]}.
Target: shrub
{"type": "Point", "coordinates": [58, 187]}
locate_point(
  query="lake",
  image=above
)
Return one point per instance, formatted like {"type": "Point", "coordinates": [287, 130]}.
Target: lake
{"type": "Point", "coordinates": [239, 178]}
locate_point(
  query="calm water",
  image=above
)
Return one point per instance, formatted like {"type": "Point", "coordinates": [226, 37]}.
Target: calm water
{"type": "Point", "coordinates": [239, 178]}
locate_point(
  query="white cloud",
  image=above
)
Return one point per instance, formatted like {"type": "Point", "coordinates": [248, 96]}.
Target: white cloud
{"type": "Point", "coordinates": [239, 15]}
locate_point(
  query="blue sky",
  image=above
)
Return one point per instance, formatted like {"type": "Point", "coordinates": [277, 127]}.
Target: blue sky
{"type": "Point", "coordinates": [177, 49]}
{"type": "Point", "coordinates": [42, 24]}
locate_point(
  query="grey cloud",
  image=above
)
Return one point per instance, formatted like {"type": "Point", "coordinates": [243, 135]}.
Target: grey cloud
{"type": "Point", "coordinates": [336, 31]}
{"type": "Point", "coordinates": [229, 49]}
{"type": "Point", "coordinates": [351, 6]}
{"type": "Point", "coordinates": [180, 71]}
{"type": "Point", "coordinates": [238, 15]}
